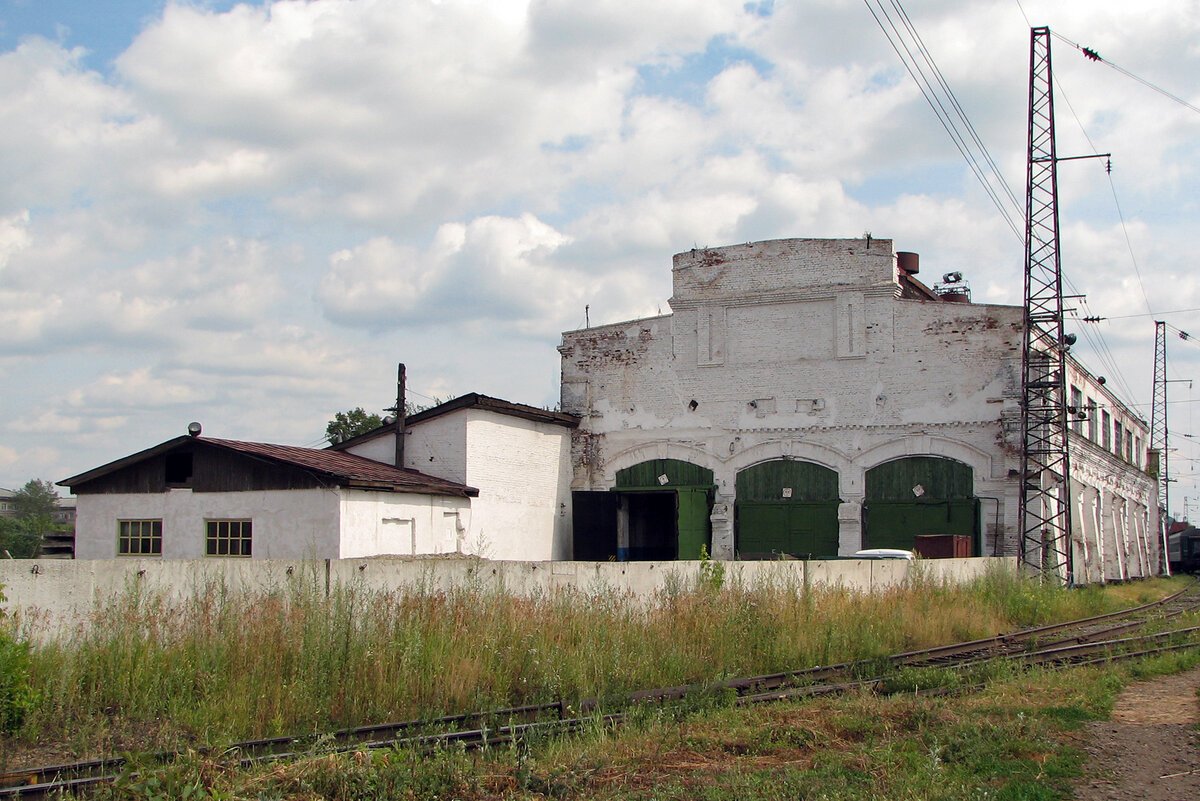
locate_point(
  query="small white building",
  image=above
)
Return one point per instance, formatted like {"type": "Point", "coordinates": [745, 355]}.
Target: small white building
{"type": "Point", "coordinates": [197, 496]}
{"type": "Point", "coordinates": [192, 497]}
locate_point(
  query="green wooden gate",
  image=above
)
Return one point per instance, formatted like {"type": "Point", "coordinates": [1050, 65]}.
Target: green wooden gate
{"type": "Point", "coordinates": [693, 489]}
{"type": "Point", "coordinates": [787, 507]}
{"type": "Point", "coordinates": [919, 495]}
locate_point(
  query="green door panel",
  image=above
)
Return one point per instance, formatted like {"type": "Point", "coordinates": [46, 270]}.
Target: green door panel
{"type": "Point", "coordinates": [894, 524]}
{"type": "Point", "coordinates": [919, 495]}
{"type": "Point", "coordinates": [797, 529]}
{"type": "Point", "coordinates": [678, 473]}
{"type": "Point", "coordinates": [762, 528]}
{"type": "Point", "coordinates": [805, 481]}
{"type": "Point", "coordinates": [691, 487]}
{"type": "Point", "coordinates": [937, 477]}
{"type": "Point", "coordinates": [787, 506]}
{"type": "Point", "coordinates": [692, 522]}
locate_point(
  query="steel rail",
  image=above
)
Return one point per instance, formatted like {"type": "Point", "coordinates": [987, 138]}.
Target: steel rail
{"type": "Point", "coordinates": [1066, 652]}
{"type": "Point", "coordinates": [37, 775]}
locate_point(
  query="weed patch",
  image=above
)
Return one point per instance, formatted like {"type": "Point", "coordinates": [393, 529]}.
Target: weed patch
{"type": "Point", "coordinates": [150, 672]}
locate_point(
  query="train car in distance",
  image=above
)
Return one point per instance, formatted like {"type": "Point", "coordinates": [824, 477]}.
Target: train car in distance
{"type": "Point", "coordinates": [1183, 548]}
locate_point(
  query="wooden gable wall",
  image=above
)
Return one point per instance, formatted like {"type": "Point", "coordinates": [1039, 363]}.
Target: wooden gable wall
{"type": "Point", "coordinates": [213, 469]}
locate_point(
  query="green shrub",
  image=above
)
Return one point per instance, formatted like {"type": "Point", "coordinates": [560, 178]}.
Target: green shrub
{"type": "Point", "coordinates": [17, 696]}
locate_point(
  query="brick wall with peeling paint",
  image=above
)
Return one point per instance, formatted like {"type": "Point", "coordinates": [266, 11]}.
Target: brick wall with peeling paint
{"type": "Point", "coordinates": [803, 349]}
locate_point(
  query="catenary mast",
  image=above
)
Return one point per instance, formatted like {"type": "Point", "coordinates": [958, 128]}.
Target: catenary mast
{"type": "Point", "coordinates": [1045, 507]}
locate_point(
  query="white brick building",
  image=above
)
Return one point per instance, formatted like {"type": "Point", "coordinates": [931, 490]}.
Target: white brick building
{"type": "Point", "coordinates": [812, 396]}
{"type": "Point", "coordinates": [192, 497]}
{"type": "Point", "coordinates": [517, 455]}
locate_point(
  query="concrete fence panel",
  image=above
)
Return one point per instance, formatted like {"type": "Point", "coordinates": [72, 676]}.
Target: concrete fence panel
{"type": "Point", "coordinates": [50, 597]}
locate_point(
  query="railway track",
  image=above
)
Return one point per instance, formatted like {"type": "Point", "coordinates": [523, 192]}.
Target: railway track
{"type": "Point", "coordinates": [1074, 643]}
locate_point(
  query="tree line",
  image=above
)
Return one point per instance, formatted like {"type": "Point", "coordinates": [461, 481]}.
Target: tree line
{"type": "Point", "coordinates": [34, 505]}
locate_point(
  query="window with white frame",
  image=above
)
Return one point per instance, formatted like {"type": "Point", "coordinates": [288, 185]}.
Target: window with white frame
{"type": "Point", "coordinates": [1118, 438]}
{"type": "Point", "coordinates": [228, 537]}
{"type": "Point", "coordinates": [139, 538]}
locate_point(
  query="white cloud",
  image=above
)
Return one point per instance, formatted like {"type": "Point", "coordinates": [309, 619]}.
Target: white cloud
{"type": "Point", "coordinates": [47, 422]}
{"type": "Point", "coordinates": [225, 286]}
{"type": "Point", "coordinates": [78, 138]}
{"type": "Point", "coordinates": [229, 171]}
{"type": "Point", "coordinates": [481, 172]}
{"type": "Point", "coordinates": [376, 280]}
{"type": "Point", "coordinates": [133, 391]}
{"type": "Point", "coordinates": [25, 464]}
{"type": "Point", "coordinates": [14, 235]}
{"type": "Point", "coordinates": [493, 269]}
{"type": "Point", "coordinates": [8, 460]}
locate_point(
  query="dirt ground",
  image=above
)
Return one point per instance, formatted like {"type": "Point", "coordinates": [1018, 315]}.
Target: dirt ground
{"type": "Point", "coordinates": [1151, 747]}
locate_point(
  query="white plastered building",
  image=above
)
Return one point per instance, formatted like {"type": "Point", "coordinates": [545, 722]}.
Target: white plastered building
{"type": "Point", "coordinates": [196, 496]}
{"type": "Point", "coordinates": [517, 455]}
{"type": "Point", "coordinates": [813, 397]}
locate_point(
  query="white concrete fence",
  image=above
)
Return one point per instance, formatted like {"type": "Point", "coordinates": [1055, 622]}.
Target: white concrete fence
{"type": "Point", "coordinates": [52, 597]}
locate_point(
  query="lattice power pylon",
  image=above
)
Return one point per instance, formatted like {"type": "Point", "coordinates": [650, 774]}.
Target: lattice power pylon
{"type": "Point", "coordinates": [1045, 511]}
{"type": "Point", "coordinates": [1158, 435]}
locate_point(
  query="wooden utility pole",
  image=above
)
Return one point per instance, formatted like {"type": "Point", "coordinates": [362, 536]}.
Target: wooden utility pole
{"type": "Point", "coordinates": [400, 382]}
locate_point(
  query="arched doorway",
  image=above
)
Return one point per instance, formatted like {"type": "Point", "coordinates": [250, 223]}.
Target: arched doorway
{"type": "Point", "coordinates": [919, 495]}
{"type": "Point", "coordinates": [658, 510]}
{"type": "Point", "coordinates": [787, 507]}
{"type": "Point", "coordinates": [664, 508]}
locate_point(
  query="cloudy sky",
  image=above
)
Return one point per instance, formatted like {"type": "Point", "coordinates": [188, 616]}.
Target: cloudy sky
{"type": "Point", "coordinates": [247, 213]}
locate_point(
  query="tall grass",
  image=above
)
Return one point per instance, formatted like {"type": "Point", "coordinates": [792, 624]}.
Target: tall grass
{"type": "Point", "coordinates": [294, 658]}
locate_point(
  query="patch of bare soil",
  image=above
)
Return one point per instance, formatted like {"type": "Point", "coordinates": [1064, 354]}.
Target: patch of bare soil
{"type": "Point", "coordinates": [119, 738]}
{"type": "Point", "coordinates": [1151, 747]}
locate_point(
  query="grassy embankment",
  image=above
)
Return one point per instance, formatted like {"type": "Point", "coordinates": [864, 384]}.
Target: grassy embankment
{"type": "Point", "coordinates": [1017, 740]}
{"type": "Point", "coordinates": [221, 667]}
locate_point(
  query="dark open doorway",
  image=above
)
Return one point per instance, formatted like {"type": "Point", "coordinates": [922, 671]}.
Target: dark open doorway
{"type": "Point", "coordinates": [652, 530]}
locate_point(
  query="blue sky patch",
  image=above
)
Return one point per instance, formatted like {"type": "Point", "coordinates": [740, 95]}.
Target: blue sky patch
{"type": "Point", "coordinates": [688, 79]}
{"type": "Point", "coordinates": [763, 8]}
{"type": "Point", "coordinates": [568, 144]}
{"type": "Point", "coordinates": [105, 28]}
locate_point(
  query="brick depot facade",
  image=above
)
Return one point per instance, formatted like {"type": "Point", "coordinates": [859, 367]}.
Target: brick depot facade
{"type": "Point", "coordinates": [813, 397]}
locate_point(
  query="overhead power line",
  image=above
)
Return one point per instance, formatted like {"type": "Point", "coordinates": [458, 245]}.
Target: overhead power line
{"type": "Point", "coordinates": [902, 35]}
{"type": "Point", "coordinates": [918, 61]}
{"type": "Point", "coordinates": [1143, 314]}
{"type": "Point", "coordinates": [1113, 187]}
{"type": "Point", "coordinates": [1092, 55]}
{"type": "Point", "coordinates": [1099, 345]}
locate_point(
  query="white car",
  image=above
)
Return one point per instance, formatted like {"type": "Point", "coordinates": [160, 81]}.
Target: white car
{"type": "Point", "coordinates": [884, 553]}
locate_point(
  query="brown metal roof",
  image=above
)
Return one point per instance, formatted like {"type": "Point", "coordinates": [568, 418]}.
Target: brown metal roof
{"type": "Point", "coordinates": [913, 289]}
{"type": "Point", "coordinates": [474, 400]}
{"type": "Point", "coordinates": [355, 470]}
{"type": "Point", "coordinates": [344, 469]}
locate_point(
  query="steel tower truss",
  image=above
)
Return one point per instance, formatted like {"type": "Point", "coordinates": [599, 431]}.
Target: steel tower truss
{"type": "Point", "coordinates": [1045, 510]}
{"type": "Point", "coordinates": [1158, 434]}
